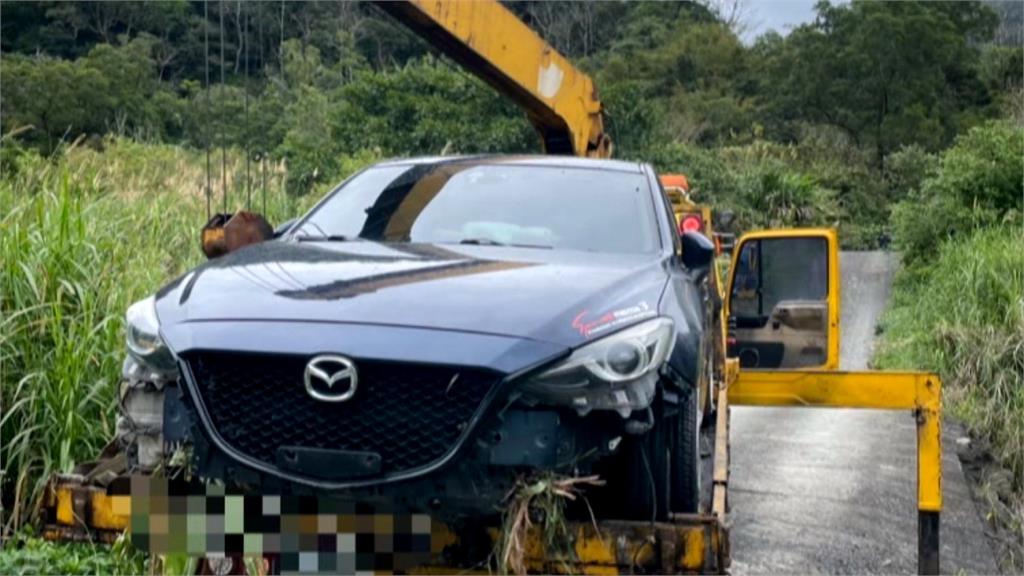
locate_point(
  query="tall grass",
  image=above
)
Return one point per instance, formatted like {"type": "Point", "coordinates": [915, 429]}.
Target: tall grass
{"type": "Point", "coordinates": [963, 314]}
{"type": "Point", "coordinates": [82, 235]}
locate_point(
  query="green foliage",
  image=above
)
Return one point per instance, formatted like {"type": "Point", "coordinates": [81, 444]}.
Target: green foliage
{"type": "Point", "coordinates": [977, 183]}
{"type": "Point", "coordinates": [83, 235]}
{"type": "Point", "coordinates": [906, 169]}
{"type": "Point", "coordinates": [984, 168]}
{"type": "Point", "coordinates": [308, 147]}
{"type": "Point", "coordinates": [111, 89]}
{"type": "Point", "coordinates": [424, 107]}
{"type": "Point", "coordinates": [26, 555]}
{"type": "Point", "coordinates": [53, 98]}
{"type": "Point", "coordinates": [323, 82]}
{"type": "Point", "coordinates": [963, 316]}
{"type": "Point", "coordinates": [886, 73]}
{"type": "Point", "coordinates": [686, 88]}
{"type": "Point", "coordinates": [958, 305]}
{"type": "Point", "coordinates": [427, 107]}
{"type": "Point", "coordinates": [762, 183]}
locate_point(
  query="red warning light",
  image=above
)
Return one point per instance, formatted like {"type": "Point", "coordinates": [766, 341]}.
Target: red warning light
{"type": "Point", "coordinates": [691, 223]}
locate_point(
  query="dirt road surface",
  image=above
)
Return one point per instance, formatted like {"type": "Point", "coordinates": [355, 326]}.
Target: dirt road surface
{"type": "Point", "coordinates": [834, 491]}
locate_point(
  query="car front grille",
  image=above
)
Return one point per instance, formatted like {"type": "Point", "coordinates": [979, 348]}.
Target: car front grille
{"type": "Point", "coordinates": [410, 415]}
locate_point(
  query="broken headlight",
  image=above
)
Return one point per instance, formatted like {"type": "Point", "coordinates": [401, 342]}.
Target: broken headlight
{"type": "Point", "coordinates": [144, 342]}
{"type": "Point", "coordinates": [618, 372]}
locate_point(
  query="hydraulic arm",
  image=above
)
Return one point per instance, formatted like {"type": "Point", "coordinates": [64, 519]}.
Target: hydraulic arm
{"type": "Point", "coordinates": [489, 41]}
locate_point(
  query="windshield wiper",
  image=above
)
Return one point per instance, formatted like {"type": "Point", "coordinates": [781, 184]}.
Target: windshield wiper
{"type": "Point", "coordinates": [490, 242]}
{"type": "Point", "coordinates": [481, 242]}
{"type": "Point", "coordinates": [322, 238]}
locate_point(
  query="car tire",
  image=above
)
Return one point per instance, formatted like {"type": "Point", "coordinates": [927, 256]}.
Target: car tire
{"type": "Point", "coordinates": [685, 462]}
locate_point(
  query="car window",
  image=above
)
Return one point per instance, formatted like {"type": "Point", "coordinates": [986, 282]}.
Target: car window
{"type": "Point", "coordinates": [481, 203]}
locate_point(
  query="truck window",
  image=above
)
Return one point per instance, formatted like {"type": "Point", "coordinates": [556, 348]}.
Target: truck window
{"type": "Point", "coordinates": [774, 270]}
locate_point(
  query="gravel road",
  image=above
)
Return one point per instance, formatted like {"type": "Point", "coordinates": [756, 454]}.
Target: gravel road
{"type": "Point", "coordinates": [834, 491]}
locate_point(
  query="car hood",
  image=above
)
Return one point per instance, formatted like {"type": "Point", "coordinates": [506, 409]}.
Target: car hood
{"type": "Point", "coordinates": [559, 297]}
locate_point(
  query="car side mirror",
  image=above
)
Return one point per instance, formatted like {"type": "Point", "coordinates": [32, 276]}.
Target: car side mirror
{"type": "Point", "coordinates": [698, 252]}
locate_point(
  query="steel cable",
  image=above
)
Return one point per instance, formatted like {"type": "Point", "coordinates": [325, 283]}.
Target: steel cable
{"type": "Point", "coordinates": [220, 123]}
{"type": "Point", "coordinates": [245, 87]}
{"type": "Point", "coordinates": [206, 127]}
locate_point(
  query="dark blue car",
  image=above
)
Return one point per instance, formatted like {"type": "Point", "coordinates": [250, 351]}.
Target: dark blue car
{"type": "Point", "coordinates": [436, 328]}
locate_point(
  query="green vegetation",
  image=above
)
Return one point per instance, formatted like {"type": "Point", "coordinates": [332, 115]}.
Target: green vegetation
{"type": "Point", "coordinates": [830, 102]}
{"type": "Point", "coordinates": [839, 122]}
{"type": "Point", "coordinates": [84, 234]}
{"type": "Point", "coordinates": [958, 305]}
{"type": "Point", "coordinates": [27, 555]}
{"type": "Point", "coordinates": [975, 184]}
{"type": "Point", "coordinates": [963, 316]}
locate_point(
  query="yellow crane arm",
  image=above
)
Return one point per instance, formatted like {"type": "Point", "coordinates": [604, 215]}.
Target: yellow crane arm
{"type": "Point", "coordinates": [489, 41]}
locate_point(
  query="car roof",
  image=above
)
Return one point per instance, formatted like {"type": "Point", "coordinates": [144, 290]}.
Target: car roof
{"type": "Point", "coordinates": [523, 160]}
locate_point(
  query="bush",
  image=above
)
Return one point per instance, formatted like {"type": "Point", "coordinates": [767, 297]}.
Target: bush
{"type": "Point", "coordinates": [978, 183]}
{"type": "Point", "coordinates": [757, 184]}
{"type": "Point", "coordinates": [905, 170]}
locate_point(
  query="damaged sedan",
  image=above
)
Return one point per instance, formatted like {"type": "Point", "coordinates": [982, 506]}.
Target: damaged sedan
{"type": "Point", "coordinates": [435, 329]}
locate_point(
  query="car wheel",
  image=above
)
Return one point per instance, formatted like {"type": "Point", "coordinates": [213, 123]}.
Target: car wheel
{"type": "Point", "coordinates": [685, 461]}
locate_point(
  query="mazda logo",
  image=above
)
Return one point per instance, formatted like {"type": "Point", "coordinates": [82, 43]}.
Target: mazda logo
{"type": "Point", "coordinates": [331, 378]}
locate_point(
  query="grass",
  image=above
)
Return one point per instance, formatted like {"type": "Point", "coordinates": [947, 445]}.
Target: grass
{"type": "Point", "coordinates": [544, 496]}
{"type": "Point", "coordinates": [25, 555]}
{"type": "Point", "coordinates": [963, 315]}
{"type": "Point", "coordinates": [83, 234]}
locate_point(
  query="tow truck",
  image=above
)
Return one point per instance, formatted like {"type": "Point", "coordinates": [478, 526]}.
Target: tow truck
{"type": "Point", "coordinates": [774, 345]}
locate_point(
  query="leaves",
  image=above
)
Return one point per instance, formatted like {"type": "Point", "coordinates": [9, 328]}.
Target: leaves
{"type": "Point", "coordinates": [889, 74]}
{"type": "Point", "coordinates": [976, 183]}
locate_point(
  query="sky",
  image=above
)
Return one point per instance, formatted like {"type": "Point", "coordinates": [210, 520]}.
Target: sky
{"type": "Point", "coordinates": [779, 15]}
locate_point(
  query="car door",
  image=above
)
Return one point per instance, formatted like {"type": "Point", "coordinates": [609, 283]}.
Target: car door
{"type": "Point", "coordinates": [782, 302]}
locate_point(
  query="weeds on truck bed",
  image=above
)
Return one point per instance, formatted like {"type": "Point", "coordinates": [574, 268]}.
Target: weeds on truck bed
{"type": "Point", "coordinates": [83, 235]}
{"type": "Point", "coordinates": [538, 503]}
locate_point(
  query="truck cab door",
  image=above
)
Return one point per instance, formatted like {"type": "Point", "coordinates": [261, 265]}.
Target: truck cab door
{"type": "Point", "coordinates": [782, 302]}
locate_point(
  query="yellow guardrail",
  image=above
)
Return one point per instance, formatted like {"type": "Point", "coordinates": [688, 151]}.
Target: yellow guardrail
{"type": "Point", "coordinates": [919, 392]}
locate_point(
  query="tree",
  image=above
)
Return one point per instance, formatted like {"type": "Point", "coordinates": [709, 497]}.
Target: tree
{"type": "Point", "coordinates": [55, 97]}
{"type": "Point", "coordinates": [886, 73]}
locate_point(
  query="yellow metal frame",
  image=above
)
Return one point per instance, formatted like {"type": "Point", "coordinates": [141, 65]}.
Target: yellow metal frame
{"type": "Point", "coordinates": [825, 387]}
{"type": "Point", "coordinates": [489, 41]}
{"type": "Point", "coordinates": [830, 235]}
{"type": "Point", "coordinates": [616, 547]}
{"type": "Point", "coordinates": [84, 512]}
{"type": "Point", "coordinates": [920, 392]}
